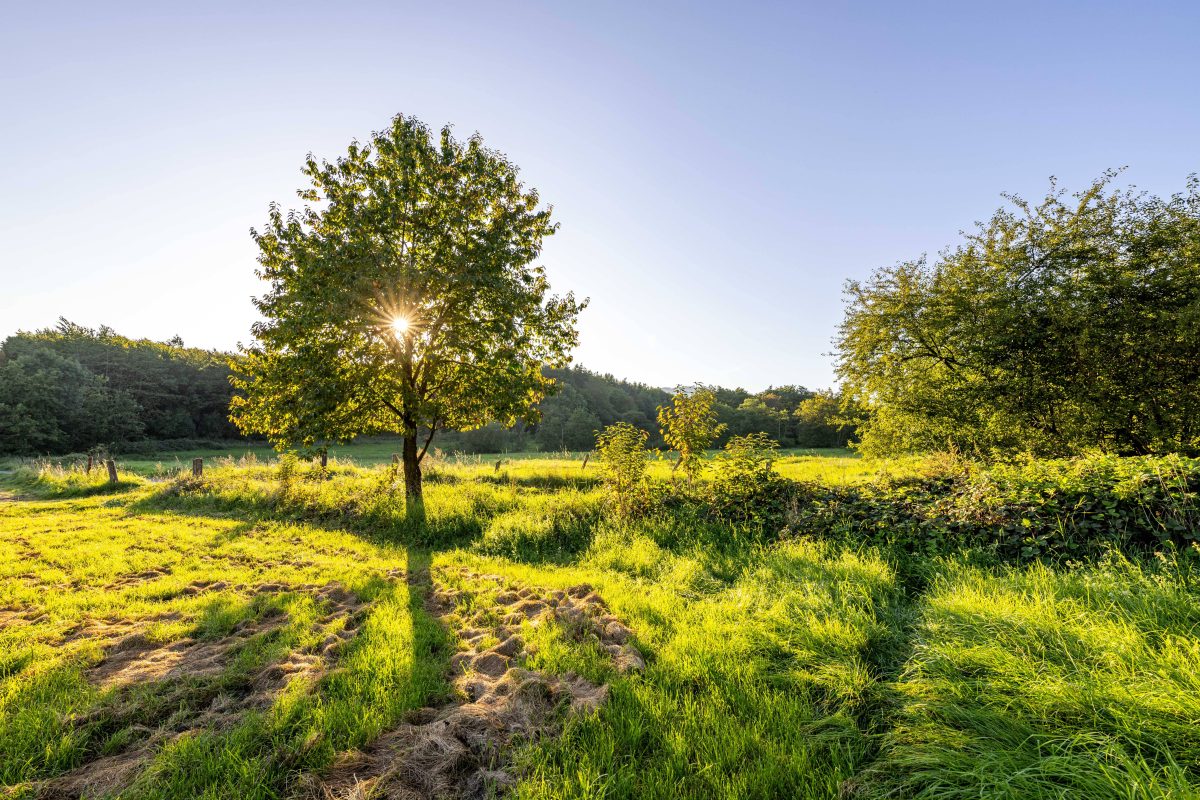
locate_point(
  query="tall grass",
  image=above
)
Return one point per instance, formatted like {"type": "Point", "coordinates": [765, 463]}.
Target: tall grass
{"type": "Point", "coordinates": [1036, 682]}
{"type": "Point", "coordinates": [829, 658]}
{"type": "Point", "coordinates": [47, 478]}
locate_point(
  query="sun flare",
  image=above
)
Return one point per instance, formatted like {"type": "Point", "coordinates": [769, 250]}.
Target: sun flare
{"type": "Point", "coordinates": [400, 325]}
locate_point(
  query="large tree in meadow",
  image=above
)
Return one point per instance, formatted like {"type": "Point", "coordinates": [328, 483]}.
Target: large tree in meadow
{"type": "Point", "coordinates": [403, 299]}
{"type": "Point", "coordinates": [1069, 324]}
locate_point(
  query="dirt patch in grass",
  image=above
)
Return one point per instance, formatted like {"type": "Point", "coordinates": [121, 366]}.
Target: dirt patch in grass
{"type": "Point", "coordinates": [12, 616]}
{"type": "Point", "coordinates": [190, 691]}
{"type": "Point", "coordinates": [461, 750]}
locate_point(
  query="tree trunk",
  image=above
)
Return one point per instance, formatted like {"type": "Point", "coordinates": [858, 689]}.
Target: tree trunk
{"type": "Point", "coordinates": [414, 503]}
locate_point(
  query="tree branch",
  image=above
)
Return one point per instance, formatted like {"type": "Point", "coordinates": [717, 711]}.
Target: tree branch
{"type": "Point", "coordinates": [428, 439]}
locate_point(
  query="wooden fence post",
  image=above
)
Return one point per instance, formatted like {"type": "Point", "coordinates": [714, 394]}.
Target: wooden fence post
{"type": "Point", "coordinates": [88, 471]}
{"type": "Point", "coordinates": [197, 467]}
{"type": "Point", "coordinates": [112, 470]}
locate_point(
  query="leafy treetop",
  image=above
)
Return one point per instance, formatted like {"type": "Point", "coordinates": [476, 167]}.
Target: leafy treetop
{"type": "Point", "coordinates": [403, 299]}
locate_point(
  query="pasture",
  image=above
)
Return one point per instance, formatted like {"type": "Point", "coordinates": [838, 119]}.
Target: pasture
{"type": "Point", "coordinates": [276, 633]}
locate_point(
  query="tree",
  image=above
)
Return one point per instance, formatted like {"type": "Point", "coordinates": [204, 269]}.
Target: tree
{"type": "Point", "coordinates": [823, 422]}
{"type": "Point", "coordinates": [566, 423]}
{"type": "Point", "coordinates": [177, 392]}
{"type": "Point", "coordinates": [1055, 327]}
{"type": "Point", "coordinates": [755, 416]}
{"type": "Point", "coordinates": [689, 425]}
{"type": "Point", "coordinates": [403, 300]}
{"type": "Point", "coordinates": [622, 451]}
{"type": "Point", "coordinates": [53, 404]}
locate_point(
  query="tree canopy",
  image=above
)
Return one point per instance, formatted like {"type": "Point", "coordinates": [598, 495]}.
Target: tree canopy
{"type": "Point", "coordinates": [70, 388]}
{"type": "Point", "coordinates": [1053, 328]}
{"type": "Point", "coordinates": [403, 298]}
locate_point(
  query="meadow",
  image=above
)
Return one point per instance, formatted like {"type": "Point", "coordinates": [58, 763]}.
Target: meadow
{"type": "Point", "coordinates": [850, 628]}
{"type": "Point", "coordinates": [827, 464]}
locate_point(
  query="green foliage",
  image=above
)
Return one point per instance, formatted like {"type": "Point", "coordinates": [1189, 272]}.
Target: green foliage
{"type": "Point", "coordinates": [135, 389]}
{"type": "Point", "coordinates": [622, 451]}
{"type": "Point", "coordinates": [1054, 328]}
{"type": "Point", "coordinates": [744, 489]}
{"type": "Point", "coordinates": [181, 400]}
{"type": "Point", "coordinates": [825, 420]}
{"type": "Point", "coordinates": [52, 404]}
{"type": "Point", "coordinates": [427, 229]}
{"type": "Point", "coordinates": [1031, 510]}
{"type": "Point", "coordinates": [689, 425]}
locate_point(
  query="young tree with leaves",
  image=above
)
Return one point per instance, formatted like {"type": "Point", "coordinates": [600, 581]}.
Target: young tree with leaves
{"type": "Point", "coordinates": [688, 426]}
{"type": "Point", "coordinates": [622, 451]}
{"type": "Point", "coordinates": [403, 299]}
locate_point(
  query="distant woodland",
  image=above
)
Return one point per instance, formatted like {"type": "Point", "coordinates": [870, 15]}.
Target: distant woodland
{"type": "Point", "coordinates": [70, 389]}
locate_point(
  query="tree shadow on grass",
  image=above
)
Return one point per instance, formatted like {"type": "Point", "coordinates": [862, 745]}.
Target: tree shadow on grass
{"type": "Point", "coordinates": [382, 524]}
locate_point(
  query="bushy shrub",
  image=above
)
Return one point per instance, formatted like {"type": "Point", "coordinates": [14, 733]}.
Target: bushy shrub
{"type": "Point", "coordinates": [622, 451]}
{"type": "Point", "coordinates": [1021, 511]}
{"type": "Point", "coordinates": [744, 489]}
{"type": "Point", "coordinates": [688, 426]}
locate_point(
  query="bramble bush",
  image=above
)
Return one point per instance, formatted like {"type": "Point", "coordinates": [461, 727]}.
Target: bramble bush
{"type": "Point", "coordinates": [745, 491]}
{"type": "Point", "coordinates": [1019, 511]}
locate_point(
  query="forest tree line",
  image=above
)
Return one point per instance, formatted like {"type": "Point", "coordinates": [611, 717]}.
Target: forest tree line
{"type": "Point", "coordinates": [70, 389]}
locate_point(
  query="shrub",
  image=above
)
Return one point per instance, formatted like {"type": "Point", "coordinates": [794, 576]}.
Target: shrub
{"type": "Point", "coordinates": [622, 451]}
{"type": "Point", "coordinates": [1022, 511]}
{"type": "Point", "coordinates": [744, 489]}
{"type": "Point", "coordinates": [688, 426]}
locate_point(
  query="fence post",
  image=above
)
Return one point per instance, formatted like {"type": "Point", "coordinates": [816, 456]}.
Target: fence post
{"type": "Point", "coordinates": [197, 467]}
{"type": "Point", "coordinates": [88, 471]}
{"type": "Point", "coordinates": [112, 470]}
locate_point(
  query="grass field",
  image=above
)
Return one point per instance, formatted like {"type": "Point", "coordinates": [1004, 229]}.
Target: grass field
{"type": "Point", "coordinates": [834, 466]}
{"type": "Point", "coordinates": [248, 637]}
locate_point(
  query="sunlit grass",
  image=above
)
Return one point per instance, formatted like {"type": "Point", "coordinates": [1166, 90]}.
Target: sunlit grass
{"type": "Point", "coordinates": [1036, 682]}
{"type": "Point", "coordinates": [64, 563]}
{"type": "Point", "coordinates": [809, 668]}
{"type": "Point", "coordinates": [837, 465]}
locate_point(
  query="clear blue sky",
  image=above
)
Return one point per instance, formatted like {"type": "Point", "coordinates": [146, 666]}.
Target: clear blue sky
{"type": "Point", "coordinates": [719, 170]}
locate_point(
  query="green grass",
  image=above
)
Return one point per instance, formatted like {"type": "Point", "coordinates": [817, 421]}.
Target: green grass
{"type": "Point", "coordinates": [807, 668]}
{"type": "Point", "coordinates": [837, 465]}
{"type": "Point", "coordinates": [1040, 683]}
